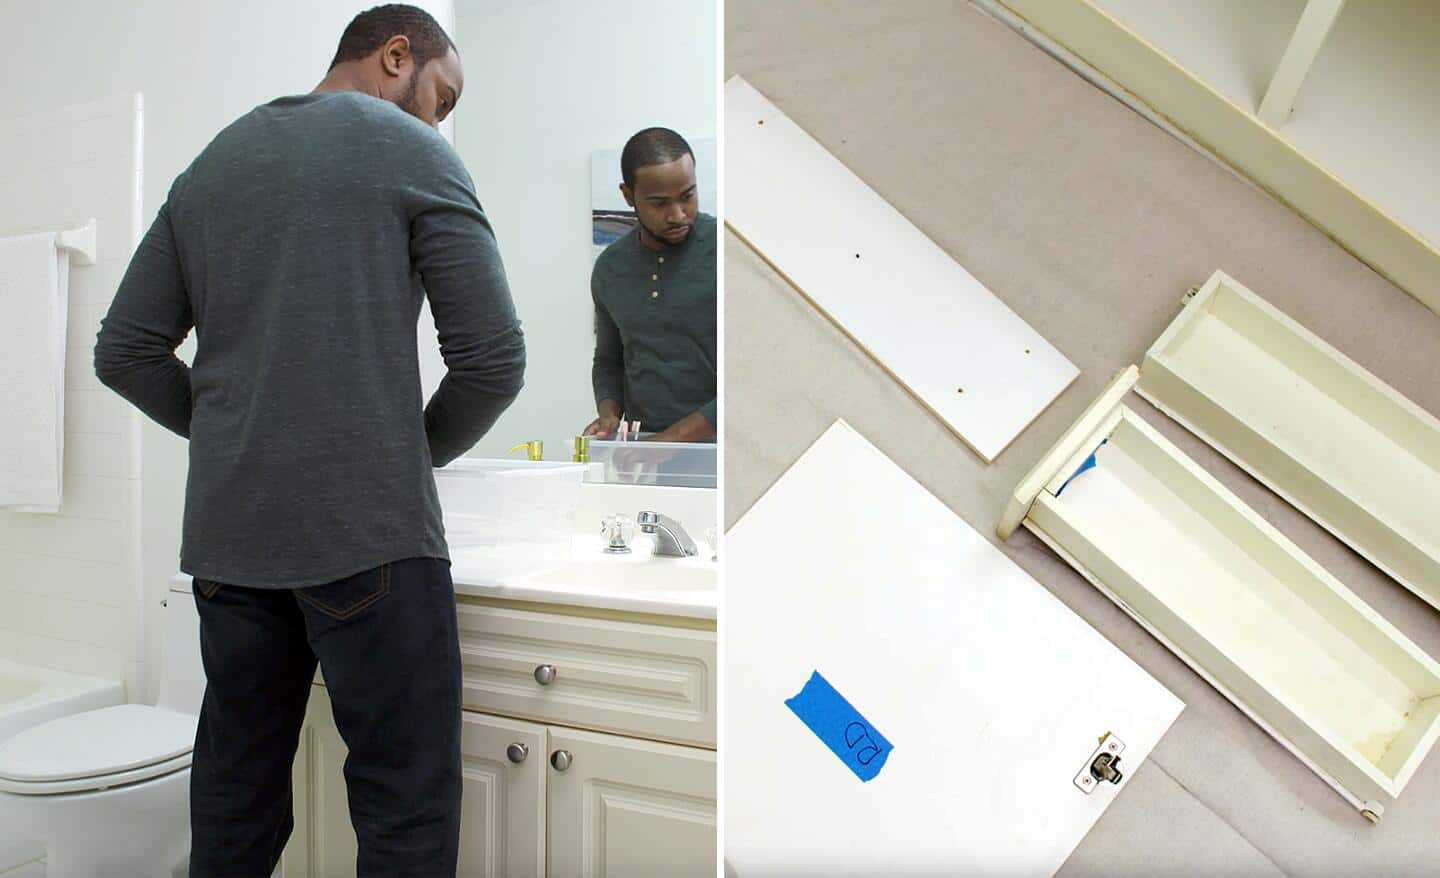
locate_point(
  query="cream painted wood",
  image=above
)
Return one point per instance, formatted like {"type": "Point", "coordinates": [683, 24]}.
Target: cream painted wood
{"type": "Point", "coordinates": [993, 693]}
{"type": "Point", "coordinates": [625, 807]}
{"type": "Point", "coordinates": [1307, 421]}
{"type": "Point", "coordinates": [926, 320]}
{"type": "Point", "coordinates": [1291, 646]}
{"type": "Point", "coordinates": [1334, 160]}
{"type": "Point", "coordinates": [652, 681]}
{"type": "Point", "coordinates": [502, 826]}
{"type": "Point", "coordinates": [502, 830]}
{"type": "Point", "coordinates": [1315, 23]}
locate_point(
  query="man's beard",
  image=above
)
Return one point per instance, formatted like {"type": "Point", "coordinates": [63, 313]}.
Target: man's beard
{"type": "Point", "coordinates": [658, 237]}
{"type": "Point", "coordinates": [409, 99]}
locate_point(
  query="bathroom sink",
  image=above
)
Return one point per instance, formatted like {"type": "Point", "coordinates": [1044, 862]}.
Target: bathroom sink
{"type": "Point", "coordinates": [633, 572]}
{"type": "Point", "coordinates": [639, 582]}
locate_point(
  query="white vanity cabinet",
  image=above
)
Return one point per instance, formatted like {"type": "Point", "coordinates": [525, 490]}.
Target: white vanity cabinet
{"type": "Point", "coordinates": [588, 749]}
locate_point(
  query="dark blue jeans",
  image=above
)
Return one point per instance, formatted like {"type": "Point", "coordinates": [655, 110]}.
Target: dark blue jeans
{"type": "Point", "coordinates": [387, 642]}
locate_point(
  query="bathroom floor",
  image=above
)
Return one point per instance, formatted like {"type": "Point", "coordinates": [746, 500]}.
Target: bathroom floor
{"type": "Point", "coordinates": [36, 869]}
{"type": "Point", "coordinates": [1090, 223]}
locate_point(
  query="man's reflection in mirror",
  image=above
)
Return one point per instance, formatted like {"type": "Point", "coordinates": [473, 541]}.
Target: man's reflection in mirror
{"type": "Point", "coordinates": [655, 303]}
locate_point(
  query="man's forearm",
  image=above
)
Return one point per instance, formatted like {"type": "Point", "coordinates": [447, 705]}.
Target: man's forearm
{"type": "Point", "coordinates": [147, 320]}
{"type": "Point", "coordinates": [149, 377]}
{"type": "Point", "coordinates": [472, 396]}
{"type": "Point", "coordinates": [607, 380]}
{"type": "Point", "coordinates": [694, 427]}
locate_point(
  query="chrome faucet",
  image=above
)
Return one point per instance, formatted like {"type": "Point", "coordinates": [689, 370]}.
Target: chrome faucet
{"type": "Point", "coordinates": [670, 538]}
{"type": "Point", "coordinates": [618, 531]}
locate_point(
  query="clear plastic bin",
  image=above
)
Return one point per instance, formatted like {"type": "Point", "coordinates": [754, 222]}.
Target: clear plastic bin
{"type": "Point", "coordinates": [677, 464]}
{"type": "Point", "coordinates": [522, 513]}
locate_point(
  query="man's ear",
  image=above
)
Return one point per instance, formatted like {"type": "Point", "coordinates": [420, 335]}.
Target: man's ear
{"type": "Point", "coordinates": [395, 54]}
{"type": "Point", "coordinates": [629, 196]}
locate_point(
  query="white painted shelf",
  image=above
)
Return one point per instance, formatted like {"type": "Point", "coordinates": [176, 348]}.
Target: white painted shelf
{"type": "Point", "coordinates": [1331, 106]}
{"type": "Point", "coordinates": [956, 347]}
{"type": "Point", "coordinates": [1369, 110]}
{"type": "Point", "coordinates": [1234, 45]}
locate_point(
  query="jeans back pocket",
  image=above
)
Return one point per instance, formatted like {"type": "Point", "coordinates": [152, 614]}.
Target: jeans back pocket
{"type": "Point", "coordinates": [349, 597]}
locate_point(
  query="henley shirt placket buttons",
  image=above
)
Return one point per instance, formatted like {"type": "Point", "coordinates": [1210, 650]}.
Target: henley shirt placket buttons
{"type": "Point", "coordinates": [655, 294]}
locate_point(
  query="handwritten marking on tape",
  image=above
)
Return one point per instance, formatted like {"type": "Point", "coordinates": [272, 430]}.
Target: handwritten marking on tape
{"type": "Point", "coordinates": [840, 727]}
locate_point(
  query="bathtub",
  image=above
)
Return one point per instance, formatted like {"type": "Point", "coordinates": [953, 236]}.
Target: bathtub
{"type": "Point", "coordinates": [30, 696]}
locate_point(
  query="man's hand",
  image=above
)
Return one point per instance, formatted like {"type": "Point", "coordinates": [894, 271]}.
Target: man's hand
{"type": "Point", "coordinates": [694, 427]}
{"type": "Point", "coordinates": [605, 426]}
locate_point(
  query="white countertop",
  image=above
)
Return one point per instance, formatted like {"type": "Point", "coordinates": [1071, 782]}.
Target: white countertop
{"type": "Point", "coordinates": [635, 583]}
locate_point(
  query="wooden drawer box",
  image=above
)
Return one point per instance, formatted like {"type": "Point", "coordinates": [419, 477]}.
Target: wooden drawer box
{"type": "Point", "coordinates": [1307, 421]}
{"type": "Point", "coordinates": [1295, 649]}
{"type": "Point", "coordinates": [650, 681]}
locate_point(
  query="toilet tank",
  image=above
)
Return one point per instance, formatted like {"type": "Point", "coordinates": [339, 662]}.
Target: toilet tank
{"type": "Point", "coordinates": [182, 676]}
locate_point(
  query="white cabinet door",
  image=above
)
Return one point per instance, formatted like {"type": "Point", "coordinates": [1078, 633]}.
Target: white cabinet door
{"type": "Point", "coordinates": [625, 808]}
{"type": "Point", "coordinates": [994, 695]}
{"type": "Point", "coordinates": [502, 830]}
{"type": "Point", "coordinates": [502, 818]}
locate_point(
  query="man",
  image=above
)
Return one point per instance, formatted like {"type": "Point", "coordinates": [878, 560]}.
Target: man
{"type": "Point", "coordinates": [299, 246]}
{"type": "Point", "coordinates": [654, 293]}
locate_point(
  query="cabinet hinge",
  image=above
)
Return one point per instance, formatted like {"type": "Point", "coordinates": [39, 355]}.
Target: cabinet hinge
{"type": "Point", "coordinates": [1103, 766]}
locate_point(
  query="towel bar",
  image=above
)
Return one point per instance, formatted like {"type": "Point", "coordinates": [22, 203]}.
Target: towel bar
{"type": "Point", "coordinates": [80, 243]}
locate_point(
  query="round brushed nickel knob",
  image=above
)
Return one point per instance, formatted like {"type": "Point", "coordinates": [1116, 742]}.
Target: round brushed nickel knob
{"type": "Point", "coordinates": [545, 675]}
{"type": "Point", "coordinates": [517, 752]}
{"type": "Point", "coordinates": [561, 759]}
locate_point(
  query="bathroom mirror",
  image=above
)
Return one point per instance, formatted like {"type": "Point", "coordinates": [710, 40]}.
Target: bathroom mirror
{"type": "Point", "coordinates": [553, 91]}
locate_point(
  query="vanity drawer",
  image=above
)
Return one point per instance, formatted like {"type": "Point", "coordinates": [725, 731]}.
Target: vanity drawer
{"type": "Point", "coordinates": [650, 681]}
{"type": "Point", "coordinates": [1273, 631]}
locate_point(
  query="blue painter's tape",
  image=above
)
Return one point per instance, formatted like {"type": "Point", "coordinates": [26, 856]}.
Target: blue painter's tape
{"type": "Point", "coordinates": [1088, 464]}
{"type": "Point", "coordinates": [841, 727]}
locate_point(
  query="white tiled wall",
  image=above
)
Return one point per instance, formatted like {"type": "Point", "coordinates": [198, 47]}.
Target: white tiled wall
{"type": "Point", "coordinates": [70, 583]}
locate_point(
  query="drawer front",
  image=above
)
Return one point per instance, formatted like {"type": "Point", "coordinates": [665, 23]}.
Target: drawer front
{"type": "Point", "coordinates": [649, 681]}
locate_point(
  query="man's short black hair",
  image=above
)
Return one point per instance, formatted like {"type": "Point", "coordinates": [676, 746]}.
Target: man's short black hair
{"type": "Point", "coordinates": [653, 146]}
{"type": "Point", "coordinates": [369, 30]}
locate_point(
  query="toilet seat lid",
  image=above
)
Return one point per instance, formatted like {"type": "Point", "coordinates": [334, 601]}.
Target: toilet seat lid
{"type": "Point", "coordinates": [97, 743]}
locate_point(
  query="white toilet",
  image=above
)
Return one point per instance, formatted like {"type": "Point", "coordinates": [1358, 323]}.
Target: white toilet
{"type": "Point", "coordinates": [107, 792]}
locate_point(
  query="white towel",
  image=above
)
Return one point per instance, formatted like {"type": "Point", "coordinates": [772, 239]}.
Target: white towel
{"type": "Point", "coordinates": [34, 303]}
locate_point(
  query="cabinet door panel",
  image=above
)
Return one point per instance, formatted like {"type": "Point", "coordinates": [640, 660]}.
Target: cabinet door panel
{"type": "Point", "coordinates": [502, 821]}
{"type": "Point", "coordinates": [626, 807]}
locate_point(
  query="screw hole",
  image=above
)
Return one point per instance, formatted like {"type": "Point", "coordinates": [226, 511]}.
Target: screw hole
{"type": "Point", "coordinates": [857, 255]}
{"type": "Point", "coordinates": [760, 122]}
{"type": "Point", "coordinates": [959, 390]}
{"type": "Point", "coordinates": [1027, 350]}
